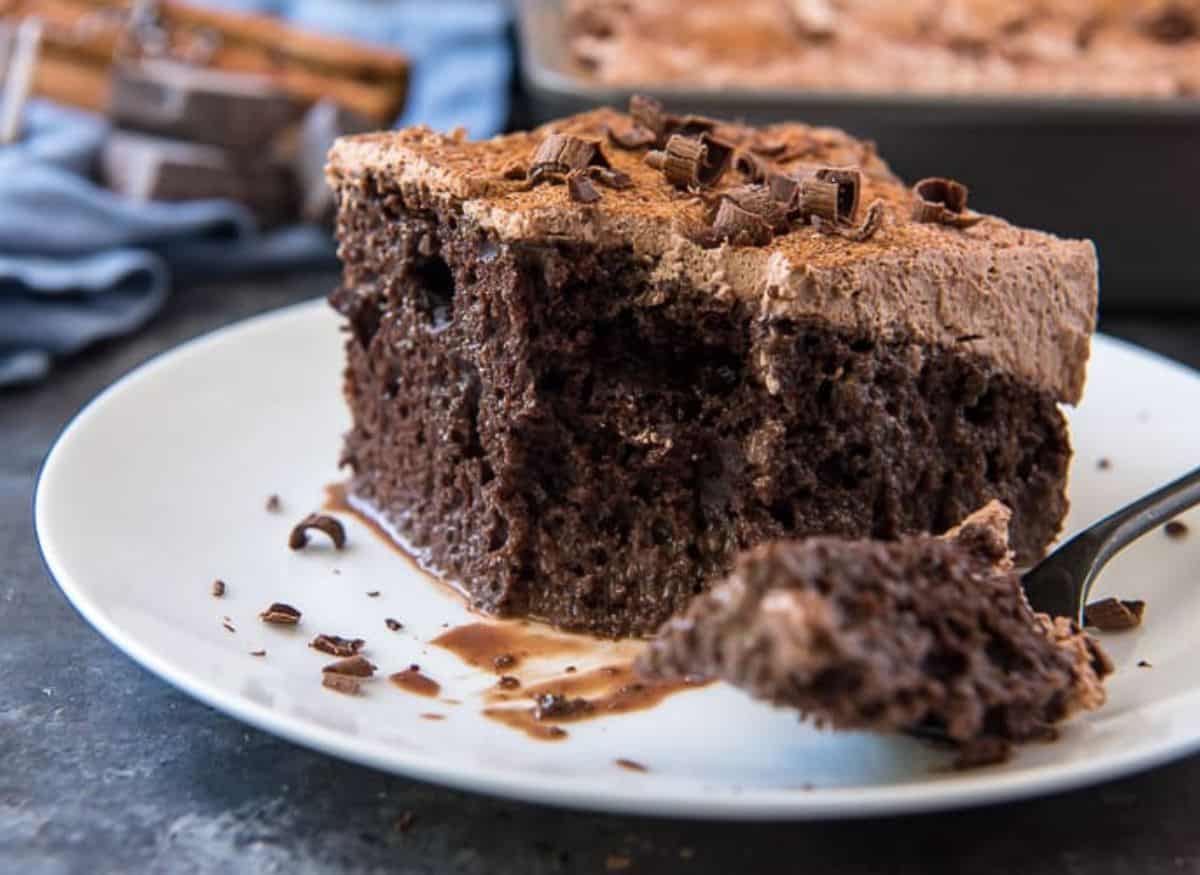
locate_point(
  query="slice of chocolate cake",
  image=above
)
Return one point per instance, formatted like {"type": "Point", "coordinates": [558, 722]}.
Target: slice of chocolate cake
{"type": "Point", "coordinates": [862, 634]}
{"type": "Point", "coordinates": [589, 364]}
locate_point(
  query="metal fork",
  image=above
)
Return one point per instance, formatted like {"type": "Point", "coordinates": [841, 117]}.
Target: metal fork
{"type": "Point", "coordinates": [1059, 585]}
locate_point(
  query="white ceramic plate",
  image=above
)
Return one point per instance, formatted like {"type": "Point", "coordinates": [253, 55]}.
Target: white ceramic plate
{"type": "Point", "coordinates": [157, 487]}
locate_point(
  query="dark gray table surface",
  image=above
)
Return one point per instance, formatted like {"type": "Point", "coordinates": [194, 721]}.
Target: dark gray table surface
{"type": "Point", "coordinates": [105, 768]}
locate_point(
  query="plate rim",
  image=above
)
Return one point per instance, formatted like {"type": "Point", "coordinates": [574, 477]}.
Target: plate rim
{"type": "Point", "coordinates": [819, 803]}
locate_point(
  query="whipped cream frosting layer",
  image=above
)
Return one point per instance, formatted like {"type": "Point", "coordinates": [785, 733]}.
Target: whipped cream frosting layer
{"type": "Point", "coordinates": [1023, 299]}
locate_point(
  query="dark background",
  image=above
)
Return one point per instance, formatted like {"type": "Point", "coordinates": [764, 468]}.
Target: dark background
{"type": "Point", "coordinates": [105, 768]}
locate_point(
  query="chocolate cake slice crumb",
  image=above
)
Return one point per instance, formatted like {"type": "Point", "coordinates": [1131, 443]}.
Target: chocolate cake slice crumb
{"type": "Point", "coordinates": [861, 634]}
{"type": "Point", "coordinates": [274, 504]}
{"type": "Point", "coordinates": [1176, 530]}
{"type": "Point", "coordinates": [393, 625]}
{"type": "Point", "coordinates": [321, 522]}
{"type": "Point", "coordinates": [1114, 615]}
{"type": "Point", "coordinates": [218, 589]}
{"type": "Point", "coordinates": [280, 614]}
{"type": "Point", "coordinates": [336, 645]}
{"type": "Point", "coordinates": [342, 683]}
{"type": "Point", "coordinates": [355, 666]}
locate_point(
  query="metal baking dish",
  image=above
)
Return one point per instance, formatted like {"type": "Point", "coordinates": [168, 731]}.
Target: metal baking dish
{"type": "Point", "coordinates": [1125, 173]}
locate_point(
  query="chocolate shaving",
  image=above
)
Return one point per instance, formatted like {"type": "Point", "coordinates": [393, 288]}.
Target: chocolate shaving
{"type": "Point", "coordinates": [342, 683]}
{"type": "Point", "coordinates": [273, 504]}
{"type": "Point", "coordinates": [1114, 615]}
{"type": "Point", "coordinates": [634, 137]}
{"type": "Point", "coordinates": [739, 227]}
{"type": "Point", "coordinates": [218, 588]}
{"type": "Point", "coordinates": [280, 614]}
{"type": "Point", "coordinates": [943, 201]}
{"type": "Point", "coordinates": [558, 154]}
{"type": "Point", "coordinates": [785, 189]}
{"type": "Point", "coordinates": [849, 189]}
{"type": "Point", "coordinates": [753, 167]}
{"type": "Point", "coordinates": [819, 199]}
{"type": "Point", "coordinates": [757, 199]}
{"type": "Point", "coordinates": [691, 163]}
{"type": "Point", "coordinates": [610, 177]}
{"type": "Point", "coordinates": [580, 188]}
{"type": "Point", "coordinates": [258, 653]}
{"type": "Point", "coordinates": [355, 666]}
{"type": "Point", "coordinates": [229, 628]}
{"type": "Point", "coordinates": [769, 148]}
{"type": "Point", "coordinates": [336, 645]}
{"type": "Point", "coordinates": [393, 625]}
{"type": "Point", "coordinates": [298, 540]}
{"type": "Point", "coordinates": [870, 224]}
{"type": "Point", "coordinates": [691, 125]}
{"type": "Point", "coordinates": [648, 113]}
{"type": "Point", "coordinates": [373, 594]}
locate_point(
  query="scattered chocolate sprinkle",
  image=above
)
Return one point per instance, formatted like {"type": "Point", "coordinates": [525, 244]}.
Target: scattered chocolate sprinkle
{"type": "Point", "coordinates": [580, 188]}
{"type": "Point", "coordinates": [336, 645]}
{"type": "Point", "coordinates": [273, 504]}
{"type": "Point", "coordinates": [218, 588]}
{"type": "Point", "coordinates": [342, 683]}
{"type": "Point", "coordinates": [373, 594]}
{"type": "Point", "coordinates": [432, 716]}
{"type": "Point", "coordinates": [1104, 464]}
{"type": "Point", "coordinates": [258, 653]}
{"type": "Point", "coordinates": [631, 765]}
{"type": "Point", "coordinates": [943, 201]}
{"type": "Point", "coordinates": [229, 628]}
{"type": "Point", "coordinates": [986, 751]}
{"type": "Point", "coordinates": [692, 163]}
{"type": "Point", "coordinates": [404, 822]}
{"type": "Point", "coordinates": [754, 167]}
{"type": "Point", "coordinates": [1114, 615]}
{"type": "Point", "coordinates": [508, 682]}
{"type": "Point", "coordinates": [871, 223]}
{"type": "Point", "coordinates": [635, 137]}
{"type": "Point", "coordinates": [514, 170]}
{"type": "Point", "coordinates": [570, 669]}
{"type": "Point", "coordinates": [1142, 663]}
{"type": "Point", "coordinates": [617, 863]}
{"type": "Point", "coordinates": [281, 614]}
{"type": "Point", "coordinates": [355, 666]}
{"type": "Point", "coordinates": [550, 706]}
{"type": "Point", "coordinates": [322, 523]}
{"type": "Point", "coordinates": [504, 660]}
{"type": "Point", "coordinates": [610, 177]}
{"type": "Point", "coordinates": [740, 227]}
{"type": "Point", "coordinates": [558, 154]}
{"type": "Point", "coordinates": [1176, 530]}
{"type": "Point", "coordinates": [393, 625]}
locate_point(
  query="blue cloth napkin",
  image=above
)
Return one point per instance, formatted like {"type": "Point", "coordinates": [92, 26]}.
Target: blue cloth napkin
{"type": "Point", "coordinates": [79, 264]}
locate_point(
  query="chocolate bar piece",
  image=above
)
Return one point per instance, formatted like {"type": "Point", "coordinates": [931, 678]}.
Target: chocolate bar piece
{"type": "Point", "coordinates": [153, 168]}
{"type": "Point", "coordinates": [231, 110]}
